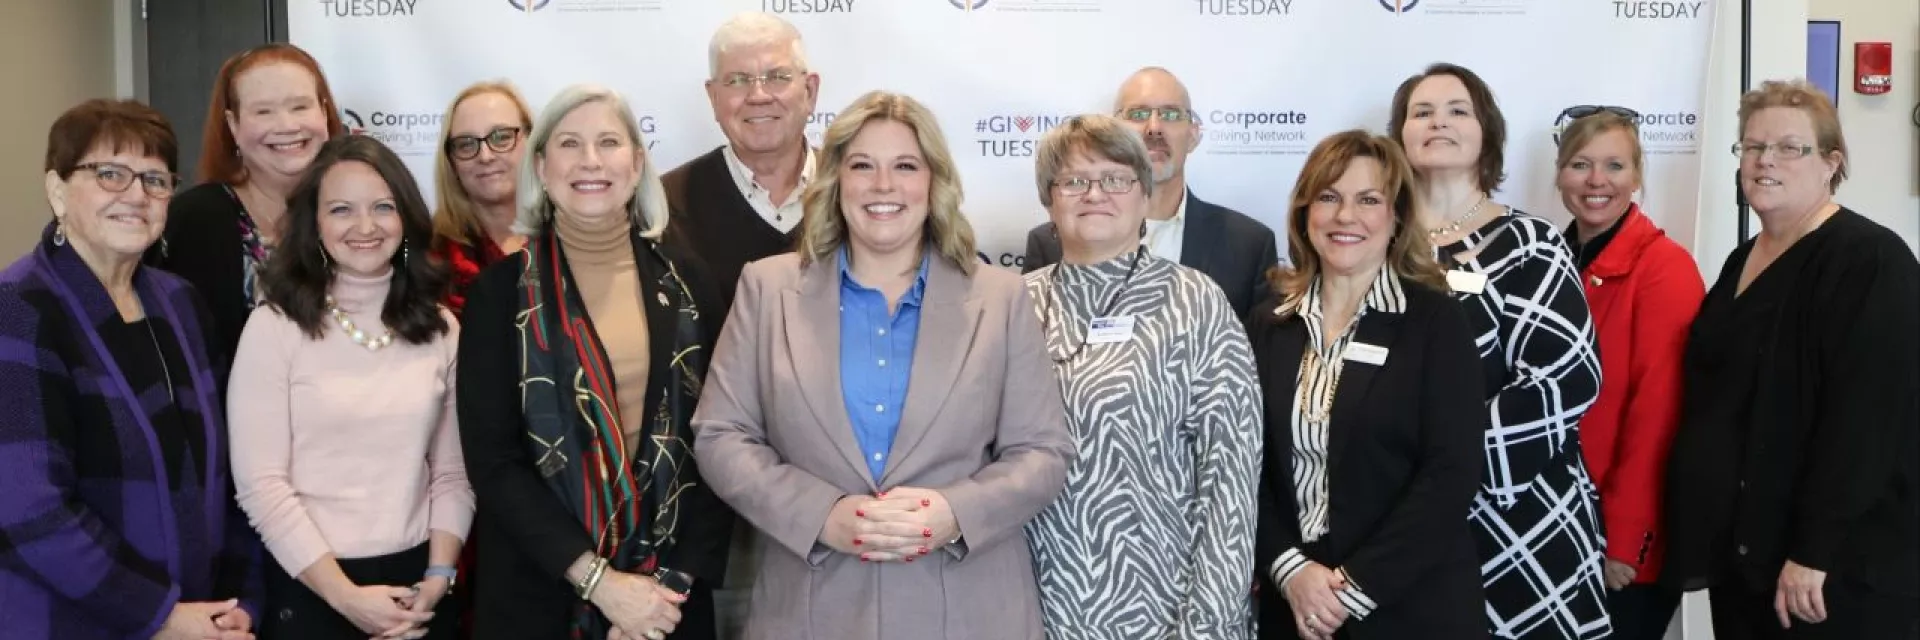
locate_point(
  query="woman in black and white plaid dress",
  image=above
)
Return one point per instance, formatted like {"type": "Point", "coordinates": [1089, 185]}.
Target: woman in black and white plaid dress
{"type": "Point", "coordinates": [1536, 519]}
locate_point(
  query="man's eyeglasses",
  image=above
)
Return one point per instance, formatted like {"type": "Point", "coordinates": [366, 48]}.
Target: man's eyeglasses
{"type": "Point", "coordinates": [776, 80]}
{"type": "Point", "coordinates": [1110, 184]}
{"type": "Point", "coordinates": [1780, 149]}
{"type": "Point", "coordinates": [117, 177]}
{"type": "Point", "coordinates": [500, 140]}
{"type": "Point", "coordinates": [1166, 114]}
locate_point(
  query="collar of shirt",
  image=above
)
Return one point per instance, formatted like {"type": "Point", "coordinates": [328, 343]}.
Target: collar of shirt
{"type": "Point", "coordinates": [1164, 237]}
{"type": "Point", "coordinates": [750, 187]}
{"type": "Point", "coordinates": [911, 297]}
{"type": "Point", "coordinates": [1383, 295]}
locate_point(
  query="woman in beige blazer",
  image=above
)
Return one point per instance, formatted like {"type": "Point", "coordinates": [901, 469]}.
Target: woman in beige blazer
{"type": "Point", "coordinates": [881, 408]}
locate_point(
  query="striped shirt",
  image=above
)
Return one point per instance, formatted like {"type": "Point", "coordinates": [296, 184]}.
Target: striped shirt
{"type": "Point", "coordinates": [1318, 380]}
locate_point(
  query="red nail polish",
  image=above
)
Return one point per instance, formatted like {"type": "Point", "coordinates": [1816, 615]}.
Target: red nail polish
{"type": "Point", "coordinates": [863, 557]}
{"type": "Point", "coordinates": [883, 494]}
{"type": "Point", "coordinates": [859, 513]}
{"type": "Point", "coordinates": [923, 551]}
{"type": "Point", "coordinates": [926, 533]}
{"type": "Point", "coordinates": [925, 502]}
{"type": "Point", "coordinates": [857, 542]}
{"type": "Point", "coordinates": [909, 558]}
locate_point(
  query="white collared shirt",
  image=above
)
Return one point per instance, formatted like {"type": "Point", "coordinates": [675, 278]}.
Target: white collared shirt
{"type": "Point", "coordinates": [1164, 237]}
{"type": "Point", "coordinates": [784, 216]}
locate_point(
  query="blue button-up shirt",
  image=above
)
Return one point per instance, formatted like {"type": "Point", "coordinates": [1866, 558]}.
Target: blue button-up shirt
{"type": "Point", "coordinates": [876, 356]}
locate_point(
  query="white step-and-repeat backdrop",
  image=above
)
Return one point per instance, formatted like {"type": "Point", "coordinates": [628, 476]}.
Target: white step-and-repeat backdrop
{"type": "Point", "coordinates": [1269, 77]}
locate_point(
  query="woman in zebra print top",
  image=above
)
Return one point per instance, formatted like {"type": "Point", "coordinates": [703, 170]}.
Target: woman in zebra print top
{"type": "Point", "coordinates": [1153, 536]}
{"type": "Point", "coordinates": [1537, 516]}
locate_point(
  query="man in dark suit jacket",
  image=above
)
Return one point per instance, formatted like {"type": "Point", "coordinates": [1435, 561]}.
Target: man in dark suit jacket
{"type": "Point", "coordinates": [1232, 248]}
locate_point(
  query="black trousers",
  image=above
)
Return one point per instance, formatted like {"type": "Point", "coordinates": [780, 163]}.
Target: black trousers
{"type": "Point", "coordinates": [294, 612]}
{"type": "Point", "coordinates": [1641, 611]}
{"type": "Point", "coordinates": [1854, 612]}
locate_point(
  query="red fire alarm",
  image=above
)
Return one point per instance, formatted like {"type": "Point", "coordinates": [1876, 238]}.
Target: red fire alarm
{"type": "Point", "coordinates": [1872, 67]}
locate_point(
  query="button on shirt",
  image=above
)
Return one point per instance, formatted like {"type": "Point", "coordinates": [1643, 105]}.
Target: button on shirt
{"type": "Point", "coordinates": [782, 216]}
{"type": "Point", "coordinates": [876, 356]}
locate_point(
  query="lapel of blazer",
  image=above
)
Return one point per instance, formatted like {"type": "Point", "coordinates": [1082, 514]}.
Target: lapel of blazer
{"type": "Point", "coordinates": [949, 317]}
{"type": "Point", "coordinates": [1201, 241]}
{"type": "Point", "coordinates": [812, 315]}
{"type": "Point", "coordinates": [1377, 328]}
{"type": "Point", "coordinates": [1289, 346]}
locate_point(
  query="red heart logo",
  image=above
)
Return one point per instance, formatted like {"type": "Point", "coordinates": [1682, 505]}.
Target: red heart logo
{"type": "Point", "coordinates": [1023, 122]}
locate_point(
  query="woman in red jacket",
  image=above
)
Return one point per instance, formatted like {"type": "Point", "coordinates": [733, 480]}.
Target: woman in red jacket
{"type": "Point", "coordinates": [1643, 289]}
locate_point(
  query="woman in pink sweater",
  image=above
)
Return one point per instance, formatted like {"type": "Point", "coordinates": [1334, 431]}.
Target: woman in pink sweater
{"type": "Point", "coordinates": [345, 452]}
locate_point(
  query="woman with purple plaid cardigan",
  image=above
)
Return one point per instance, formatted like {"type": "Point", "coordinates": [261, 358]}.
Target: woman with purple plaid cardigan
{"type": "Point", "coordinates": [117, 519]}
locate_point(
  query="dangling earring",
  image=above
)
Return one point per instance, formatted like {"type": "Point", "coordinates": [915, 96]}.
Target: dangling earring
{"type": "Point", "coordinates": [59, 232]}
{"type": "Point", "coordinates": [405, 255]}
{"type": "Point", "coordinates": [325, 261]}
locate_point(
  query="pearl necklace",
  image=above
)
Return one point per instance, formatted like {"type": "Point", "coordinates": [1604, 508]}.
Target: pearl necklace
{"type": "Point", "coordinates": [354, 332]}
{"type": "Point", "coordinates": [1457, 222]}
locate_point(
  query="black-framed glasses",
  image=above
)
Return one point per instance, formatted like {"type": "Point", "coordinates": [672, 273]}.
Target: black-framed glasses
{"type": "Point", "coordinates": [500, 140]}
{"type": "Point", "coordinates": [117, 177]}
{"type": "Point", "coordinates": [775, 81]}
{"type": "Point", "coordinates": [1166, 114]}
{"type": "Point", "coordinates": [1780, 149]}
{"type": "Point", "coordinates": [1110, 184]}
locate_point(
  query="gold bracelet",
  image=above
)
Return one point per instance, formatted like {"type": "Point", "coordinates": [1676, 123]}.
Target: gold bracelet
{"type": "Point", "coordinates": [595, 570]}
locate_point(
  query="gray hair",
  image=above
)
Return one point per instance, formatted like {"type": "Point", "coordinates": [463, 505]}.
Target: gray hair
{"type": "Point", "coordinates": [1098, 136]}
{"type": "Point", "coordinates": [753, 28]}
{"type": "Point", "coordinates": [647, 208]}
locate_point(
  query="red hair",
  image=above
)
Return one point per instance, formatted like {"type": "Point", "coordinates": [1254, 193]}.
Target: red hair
{"type": "Point", "coordinates": [219, 158]}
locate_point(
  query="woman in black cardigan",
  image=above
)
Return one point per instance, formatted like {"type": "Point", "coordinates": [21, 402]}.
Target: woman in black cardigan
{"type": "Point", "coordinates": [1794, 482]}
{"type": "Point", "coordinates": [1372, 453]}
{"type": "Point", "coordinates": [581, 361]}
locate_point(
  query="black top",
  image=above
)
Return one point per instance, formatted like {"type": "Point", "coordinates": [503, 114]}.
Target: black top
{"type": "Point", "coordinates": [202, 244]}
{"type": "Point", "coordinates": [1403, 462]}
{"type": "Point", "coordinates": [1585, 253]}
{"type": "Point", "coordinates": [149, 358]}
{"type": "Point", "coordinates": [521, 590]}
{"type": "Point", "coordinates": [1798, 432]}
{"type": "Point", "coordinates": [1232, 248]}
{"type": "Point", "coordinates": [714, 220]}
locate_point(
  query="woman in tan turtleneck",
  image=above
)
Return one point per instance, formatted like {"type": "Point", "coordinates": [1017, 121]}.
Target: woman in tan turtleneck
{"type": "Point", "coordinates": [581, 361]}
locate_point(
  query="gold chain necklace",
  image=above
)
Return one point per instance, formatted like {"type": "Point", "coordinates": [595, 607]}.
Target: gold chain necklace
{"type": "Point", "coordinates": [1457, 222]}
{"type": "Point", "coordinates": [1325, 408]}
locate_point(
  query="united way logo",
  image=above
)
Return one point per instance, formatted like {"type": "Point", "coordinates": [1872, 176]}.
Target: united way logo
{"type": "Point", "coordinates": [968, 5]}
{"type": "Point", "coordinates": [1399, 6]}
{"type": "Point", "coordinates": [529, 6]}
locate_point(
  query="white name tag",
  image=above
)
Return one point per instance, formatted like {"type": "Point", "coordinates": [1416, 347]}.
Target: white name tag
{"type": "Point", "coordinates": [1466, 281]}
{"type": "Point", "coordinates": [1366, 353]}
{"type": "Point", "coordinates": [1114, 329]}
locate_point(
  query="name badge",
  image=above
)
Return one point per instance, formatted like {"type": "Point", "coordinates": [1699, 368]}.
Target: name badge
{"type": "Point", "coordinates": [1106, 330]}
{"type": "Point", "coordinates": [1466, 281]}
{"type": "Point", "coordinates": [1365, 353]}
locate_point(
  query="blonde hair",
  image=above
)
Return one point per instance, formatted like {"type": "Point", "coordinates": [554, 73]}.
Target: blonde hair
{"type": "Point", "coordinates": [1583, 130]}
{"type": "Point", "coordinates": [1802, 95]}
{"type": "Point", "coordinates": [647, 208]}
{"type": "Point", "coordinates": [1408, 253]}
{"type": "Point", "coordinates": [823, 229]}
{"type": "Point", "coordinates": [456, 219]}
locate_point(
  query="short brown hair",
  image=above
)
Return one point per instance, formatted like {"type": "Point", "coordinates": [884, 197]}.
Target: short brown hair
{"type": "Point", "coordinates": [219, 160]}
{"type": "Point", "coordinates": [823, 231]}
{"type": "Point", "coordinates": [117, 125]}
{"type": "Point", "coordinates": [1408, 253]}
{"type": "Point", "coordinates": [1802, 95]}
{"type": "Point", "coordinates": [1583, 130]}
{"type": "Point", "coordinates": [454, 218]}
{"type": "Point", "coordinates": [1096, 135]}
{"type": "Point", "coordinates": [1493, 126]}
